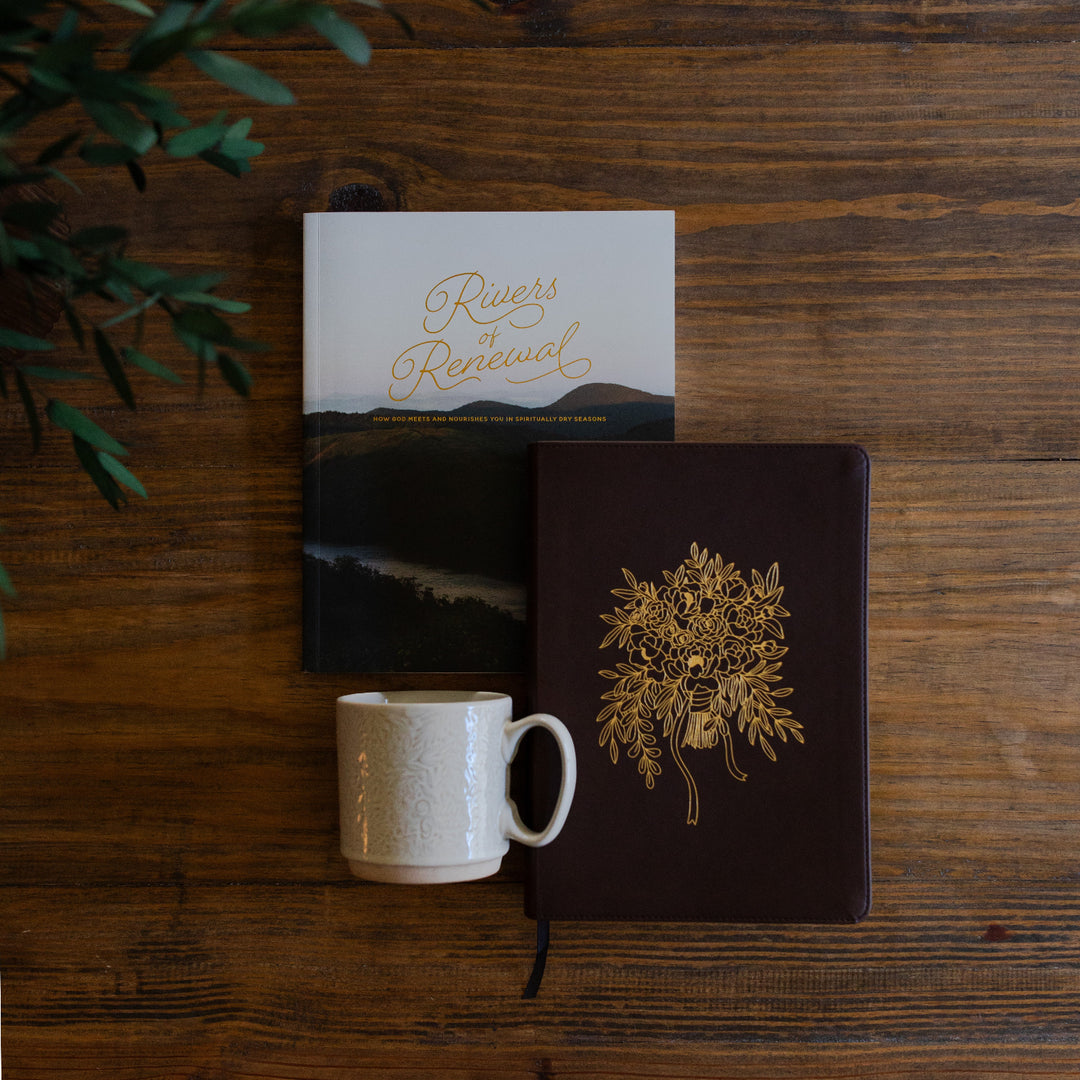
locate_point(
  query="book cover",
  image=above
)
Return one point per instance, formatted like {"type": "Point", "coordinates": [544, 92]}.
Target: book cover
{"type": "Point", "coordinates": [437, 347]}
{"type": "Point", "coordinates": [699, 624]}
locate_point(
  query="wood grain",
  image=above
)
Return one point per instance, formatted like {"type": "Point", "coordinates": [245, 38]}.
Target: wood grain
{"type": "Point", "coordinates": [876, 242]}
{"type": "Point", "coordinates": [441, 970]}
{"type": "Point", "coordinates": [592, 24]}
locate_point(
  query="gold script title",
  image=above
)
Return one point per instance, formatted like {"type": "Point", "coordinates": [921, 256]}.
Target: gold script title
{"type": "Point", "coordinates": [461, 303]}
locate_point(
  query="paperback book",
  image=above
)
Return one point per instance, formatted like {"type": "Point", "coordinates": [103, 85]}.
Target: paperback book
{"type": "Point", "coordinates": [437, 347]}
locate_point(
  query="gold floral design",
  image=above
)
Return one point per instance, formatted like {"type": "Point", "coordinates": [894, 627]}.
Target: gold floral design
{"type": "Point", "coordinates": [702, 654]}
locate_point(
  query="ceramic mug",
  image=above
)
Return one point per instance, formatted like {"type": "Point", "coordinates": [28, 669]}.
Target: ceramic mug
{"type": "Point", "coordinates": [423, 780]}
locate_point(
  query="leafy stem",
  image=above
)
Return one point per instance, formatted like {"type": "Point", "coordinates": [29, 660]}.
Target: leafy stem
{"type": "Point", "coordinates": [49, 61]}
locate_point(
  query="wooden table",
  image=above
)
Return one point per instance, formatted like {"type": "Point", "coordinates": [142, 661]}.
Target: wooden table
{"type": "Point", "coordinates": [878, 240]}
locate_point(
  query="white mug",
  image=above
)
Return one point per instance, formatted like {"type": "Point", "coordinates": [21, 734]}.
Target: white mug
{"type": "Point", "coordinates": [423, 780]}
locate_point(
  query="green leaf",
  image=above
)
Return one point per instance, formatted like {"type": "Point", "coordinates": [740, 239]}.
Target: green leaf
{"type": "Point", "coordinates": [204, 324]}
{"type": "Point", "coordinates": [231, 307]}
{"type": "Point", "coordinates": [226, 164]}
{"type": "Point", "coordinates": [112, 287]}
{"type": "Point", "coordinates": [5, 583]}
{"type": "Point", "coordinates": [69, 24]}
{"type": "Point", "coordinates": [203, 350]}
{"type": "Point", "coordinates": [118, 472]}
{"type": "Point", "coordinates": [30, 408]}
{"type": "Point", "coordinates": [52, 80]}
{"type": "Point", "coordinates": [246, 345]}
{"type": "Point", "coordinates": [342, 34]}
{"type": "Point", "coordinates": [241, 77]}
{"type": "Point", "coordinates": [235, 374]}
{"type": "Point", "coordinates": [198, 327]}
{"type": "Point", "coordinates": [79, 424]}
{"type": "Point", "coordinates": [8, 257]}
{"type": "Point", "coordinates": [144, 276]}
{"type": "Point", "coordinates": [240, 129]}
{"type": "Point", "coordinates": [122, 124]}
{"type": "Point", "coordinates": [195, 140]}
{"type": "Point", "coordinates": [74, 324]}
{"type": "Point", "coordinates": [54, 251]}
{"type": "Point", "coordinates": [56, 174]}
{"type": "Point", "coordinates": [108, 154]}
{"type": "Point", "coordinates": [136, 6]}
{"type": "Point", "coordinates": [13, 41]}
{"type": "Point", "coordinates": [259, 18]}
{"type": "Point", "coordinates": [138, 177]}
{"type": "Point", "coordinates": [150, 365]}
{"type": "Point", "coordinates": [236, 143]}
{"type": "Point", "coordinates": [93, 467]}
{"type": "Point", "coordinates": [154, 49]}
{"type": "Point", "coordinates": [131, 312]}
{"type": "Point", "coordinates": [163, 113]}
{"type": "Point", "coordinates": [13, 339]}
{"type": "Point", "coordinates": [56, 150]}
{"type": "Point", "coordinates": [113, 367]}
{"type": "Point", "coordinates": [172, 17]}
{"type": "Point", "coordinates": [206, 10]}
{"type": "Point", "coordinates": [53, 374]}
{"type": "Point", "coordinates": [193, 282]}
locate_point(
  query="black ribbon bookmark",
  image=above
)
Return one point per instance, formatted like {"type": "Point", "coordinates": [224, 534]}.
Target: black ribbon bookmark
{"type": "Point", "coordinates": [543, 938]}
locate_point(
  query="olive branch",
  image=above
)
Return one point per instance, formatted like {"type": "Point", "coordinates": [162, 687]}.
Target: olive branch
{"type": "Point", "coordinates": [49, 62]}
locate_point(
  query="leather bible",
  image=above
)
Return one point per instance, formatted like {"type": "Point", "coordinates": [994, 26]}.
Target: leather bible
{"type": "Point", "coordinates": [698, 619]}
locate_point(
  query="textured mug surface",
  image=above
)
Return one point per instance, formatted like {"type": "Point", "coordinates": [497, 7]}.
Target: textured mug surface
{"type": "Point", "coordinates": [423, 783]}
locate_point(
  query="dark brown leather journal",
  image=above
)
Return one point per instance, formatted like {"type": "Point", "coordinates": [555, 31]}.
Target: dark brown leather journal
{"type": "Point", "coordinates": [699, 623]}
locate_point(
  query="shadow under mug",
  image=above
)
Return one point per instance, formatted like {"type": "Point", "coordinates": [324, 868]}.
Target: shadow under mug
{"type": "Point", "coordinates": [423, 782]}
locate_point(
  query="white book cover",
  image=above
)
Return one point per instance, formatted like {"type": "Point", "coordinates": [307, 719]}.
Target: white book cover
{"type": "Point", "coordinates": [437, 346]}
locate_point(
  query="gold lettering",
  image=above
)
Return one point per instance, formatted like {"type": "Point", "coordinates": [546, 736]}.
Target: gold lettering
{"type": "Point", "coordinates": [550, 352]}
{"type": "Point", "coordinates": [470, 298]}
{"type": "Point", "coordinates": [439, 296]}
{"type": "Point", "coordinates": [408, 373]}
{"type": "Point", "coordinates": [470, 294]}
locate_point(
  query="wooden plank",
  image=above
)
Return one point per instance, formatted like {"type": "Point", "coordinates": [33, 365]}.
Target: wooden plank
{"type": "Point", "coordinates": [147, 1060]}
{"type": "Point", "coordinates": [275, 974]}
{"type": "Point", "coordinates": [469, 24]}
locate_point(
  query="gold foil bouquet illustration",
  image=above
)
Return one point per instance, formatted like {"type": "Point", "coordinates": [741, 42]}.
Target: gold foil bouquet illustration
{"type": "Point", "coordinates": [703, 655]}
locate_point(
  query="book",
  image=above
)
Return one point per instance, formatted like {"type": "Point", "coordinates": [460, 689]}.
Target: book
{"type": "Point", "coordinates": [699, 624]}
{"type": "Point", "coordinates": [437, 347]}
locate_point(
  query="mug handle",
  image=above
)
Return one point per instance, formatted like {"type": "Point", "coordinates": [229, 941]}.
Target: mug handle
{"type": "Point", "coordinates": [509, 819]}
